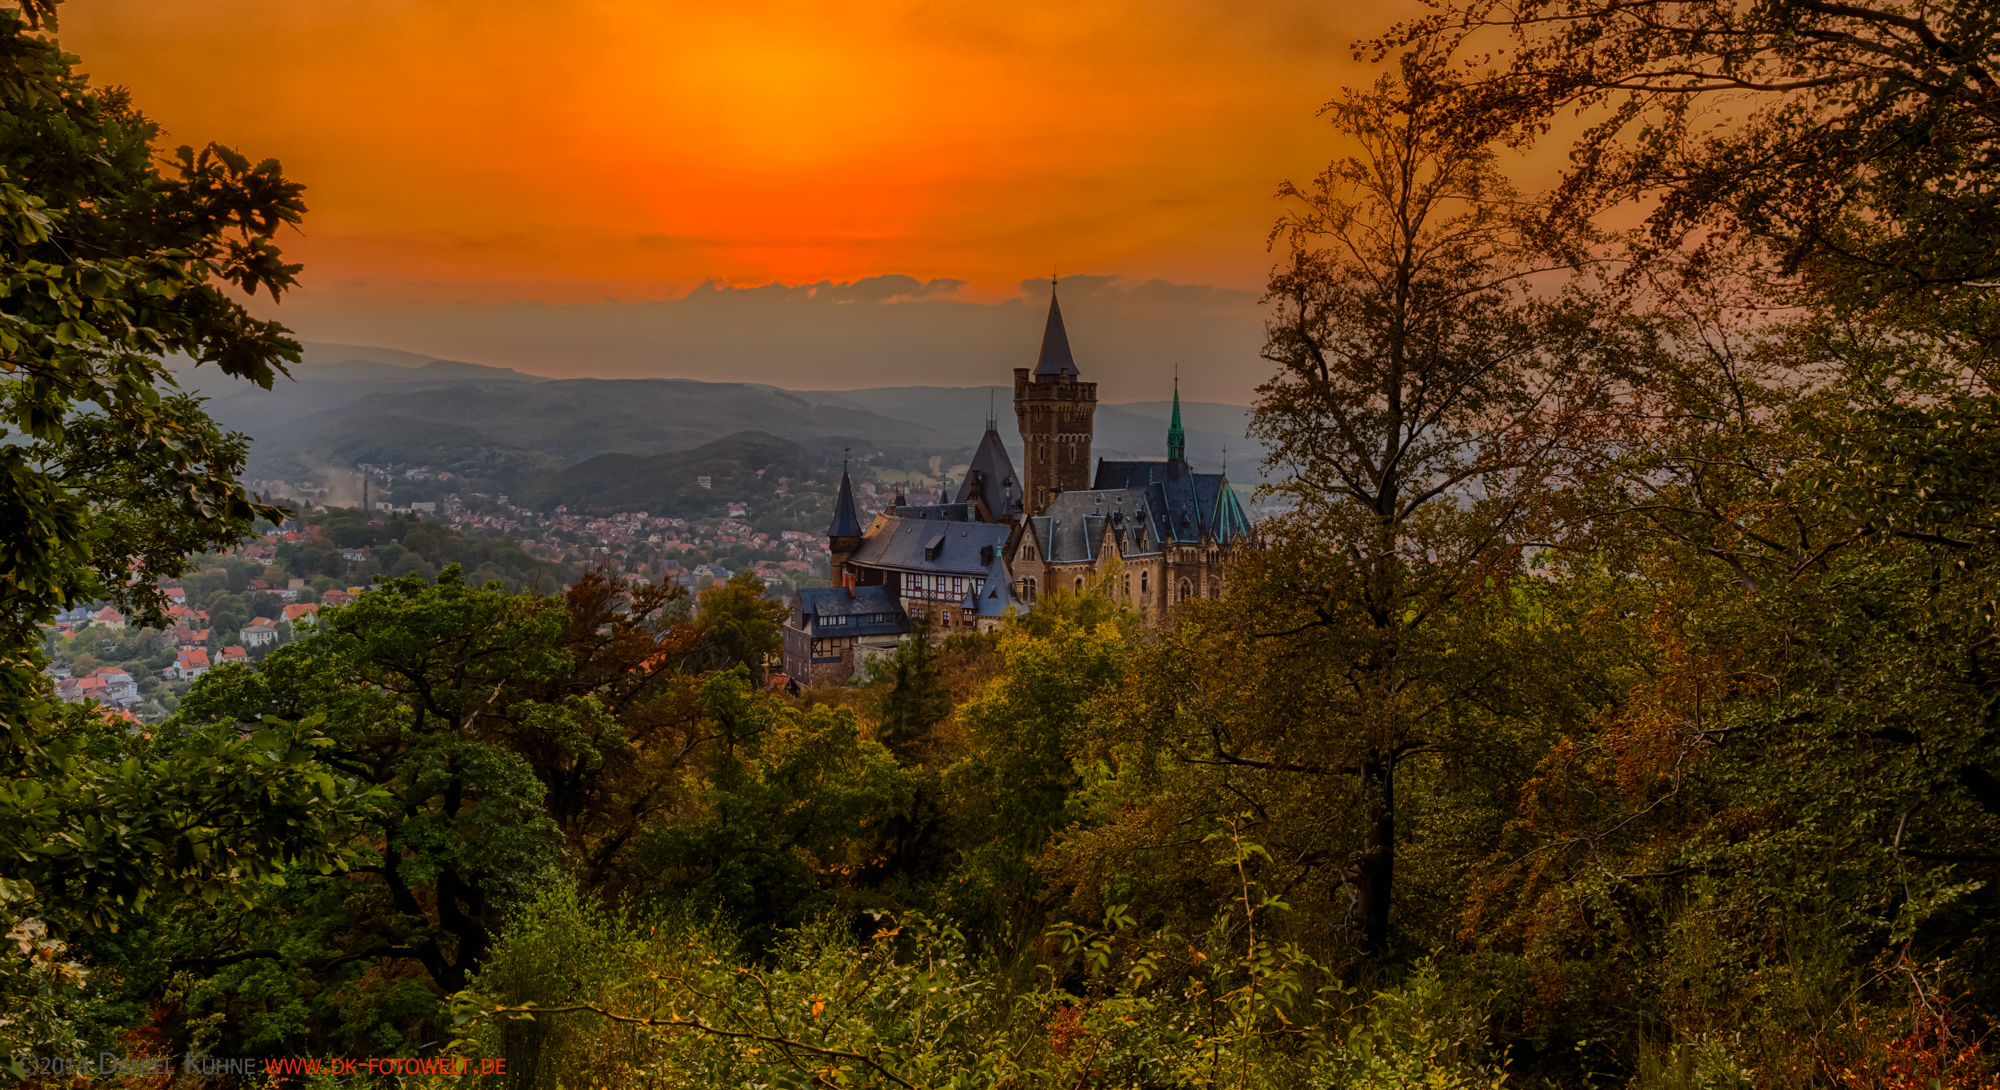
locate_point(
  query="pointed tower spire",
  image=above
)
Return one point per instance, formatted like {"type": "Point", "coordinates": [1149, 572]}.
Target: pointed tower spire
{"type": "Point", "coordinates": [846, 520]}
{"type": "Point", "coordinates": [1056, 412]}
{"type": "Point", "coordinates": [1176, 435]}
{"type": "Point", "coordinates": [1055, 360]}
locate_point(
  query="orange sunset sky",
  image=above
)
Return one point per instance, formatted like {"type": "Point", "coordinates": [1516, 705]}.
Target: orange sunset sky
{"type": "Point", "coordinates": [501, 181]}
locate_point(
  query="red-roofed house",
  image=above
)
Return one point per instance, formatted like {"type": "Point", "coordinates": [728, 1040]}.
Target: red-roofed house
{"type": "Point", "coordinates": [232, 653]}
{"type": "Point", "coordinates": [190, 664]}
{"type": "Point", "coordinates": [260, 632]}
{"type": "Point", "coordinates": [108, 616]}
{"type": "Point", "coordinates": [118, 684]}
{"type": "Point", "coordinates": [302, 617]}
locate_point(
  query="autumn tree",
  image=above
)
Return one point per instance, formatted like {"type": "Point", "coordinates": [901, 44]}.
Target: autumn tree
{"type": "Point", "coordinates": [1850, 137]}
{"type": "Point", "coordinates": [1442, 373]}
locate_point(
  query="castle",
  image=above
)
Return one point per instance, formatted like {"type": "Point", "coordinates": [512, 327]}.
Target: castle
{"type": "Point", "coordinates": [1150, 533]}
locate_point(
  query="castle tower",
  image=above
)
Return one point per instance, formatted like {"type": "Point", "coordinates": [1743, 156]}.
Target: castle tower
{"type": "Point", "coordinates": [1176, 435]}
{"type": "Point", "coordinates": [843, 534]}
{"type": "Point", "coordinates": [1056, 414]}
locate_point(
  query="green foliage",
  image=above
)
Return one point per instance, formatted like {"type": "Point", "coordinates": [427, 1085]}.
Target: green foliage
{"type": "Point", "coordinates": [103, 826]}
{"type": "Point", "coordinates": [93, 436]}
{"type": "Point", "coordinates": [917, 699]}
{"type": "Point", "coordinates": [1027, 732]}
{"type": "Point", "coordinates": [740, 627]}
{"type": "Point", "coordinates": [577, 995]}
{"type": "Point", "coordinates": [420, 686]}
{"type": "Point", "coordinates": [800, 808]}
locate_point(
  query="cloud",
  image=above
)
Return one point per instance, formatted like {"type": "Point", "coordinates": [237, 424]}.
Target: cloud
{"type": "Point", "coordinates": [893, 330]}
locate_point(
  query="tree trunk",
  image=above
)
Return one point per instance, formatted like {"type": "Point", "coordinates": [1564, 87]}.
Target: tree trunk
{"type": "Point", "coordinates": [1378, 859]}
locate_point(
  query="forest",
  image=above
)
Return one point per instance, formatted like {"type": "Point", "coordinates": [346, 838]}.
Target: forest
{"type": "Point", "coordinates": [1612, 703]}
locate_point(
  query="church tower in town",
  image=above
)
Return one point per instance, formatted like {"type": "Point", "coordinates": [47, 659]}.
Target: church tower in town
{"type": "Point", "coordinates": [1056, 414]}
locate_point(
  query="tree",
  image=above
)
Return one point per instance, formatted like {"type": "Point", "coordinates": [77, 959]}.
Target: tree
{"type": "Point", "coordinates": [1028, 731]}
{"type": "Point", "coordinates": [740, 626]}
{"type": "Point", "coordinates": [507, 738]}
{"type": "Point", "coordinates": [107, 264]}
{"type": "Point", "coordinates": [1853, 141]}
{"type": "Point", "coordinates": [1432, 394]}
{"type": "Point", "coordinates": [917, 699]}
{"type": "Point", "coordinates": [111, 256]}
{"type": "Point", "coordinates": [421, 690]}
{"type": "Point", "coordinates": [629, 651]}
{"type": "Point", "coordinates": [799, 807]}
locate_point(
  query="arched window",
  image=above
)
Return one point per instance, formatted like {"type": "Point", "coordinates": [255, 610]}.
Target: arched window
{"type": "Point", "coordinates": [1187, 590]}
{"type": "Point", "coordinates": [1128, 585]}
{"type": "Point", "coordinates": [1079, 584]}
{"type": "Point", "coordinates": [1143, 589]}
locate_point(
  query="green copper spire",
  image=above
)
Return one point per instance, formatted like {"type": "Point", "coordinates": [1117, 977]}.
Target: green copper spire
{"type": "Point", "coordinates": [1176, 438]}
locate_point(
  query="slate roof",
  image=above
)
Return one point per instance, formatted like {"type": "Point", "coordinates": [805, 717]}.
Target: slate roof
{"type": "Point", "coordinates": [945, 512]}
{"type": "Point", "coordinates": [1185, 504]}
{"type": "Point", "coordinates": [997, 596]}
{"type": "Point", "coordinates": [992, 473]}
{"type": "Point", "coordinates": [816, 603]}
{"type": "Point", "coordinates": [954, 548]}
{"type": "Point", "coordinates": [1055, 360]}
{"type": "Point", "coordinates": [846, 521]}
{"type": "Point", "coordinates": [1071, 528]}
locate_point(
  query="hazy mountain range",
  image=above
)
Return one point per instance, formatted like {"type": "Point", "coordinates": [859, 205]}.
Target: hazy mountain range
{"type": "Point", "coordinates": [347, 404]}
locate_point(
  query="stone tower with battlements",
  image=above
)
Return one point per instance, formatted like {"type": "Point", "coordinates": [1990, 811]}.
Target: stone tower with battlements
{"type": "Point", "coordinates": [1056, 414]}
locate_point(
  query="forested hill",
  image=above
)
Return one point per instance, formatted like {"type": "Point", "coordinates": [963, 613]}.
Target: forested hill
{"type": "Point", "coordinates": [525, 430]}
{"type": "Point", "coordinates": [385, 407]}
{"type": "Point", "coordinates": [747, 465]}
